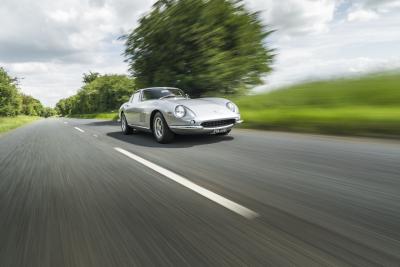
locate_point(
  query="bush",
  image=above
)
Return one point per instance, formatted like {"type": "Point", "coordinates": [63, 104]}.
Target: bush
{"type": "Point", "coordinates": [101, 94]}
{"type": "Point", "coordinates": [10, 98]}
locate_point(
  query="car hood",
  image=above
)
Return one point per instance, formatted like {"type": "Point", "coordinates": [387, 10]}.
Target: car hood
{"type": "Point", "coordinates": [204, 107]}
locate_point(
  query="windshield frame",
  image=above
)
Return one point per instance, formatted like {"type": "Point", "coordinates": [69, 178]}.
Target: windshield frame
{"type": "Point", "coordinates": [183, 95]}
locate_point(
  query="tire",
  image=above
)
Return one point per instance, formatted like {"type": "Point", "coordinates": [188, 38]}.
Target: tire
{"type": "Point", "coordinates": [126, 129]}
{"type": "Point", "coordinates": [225, 133]}
{"type": "Point", "coordinates": [161, 131]}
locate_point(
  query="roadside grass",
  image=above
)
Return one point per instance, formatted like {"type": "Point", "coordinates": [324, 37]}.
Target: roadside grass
{"type": "Point", "coordinates": [363, 121]}
{"type": "Point", "coordinates": [366, 106]}
{"type": "Point", "coordinates": [106, 116]}
{"type": "Point", "coordinates": [9, 123]}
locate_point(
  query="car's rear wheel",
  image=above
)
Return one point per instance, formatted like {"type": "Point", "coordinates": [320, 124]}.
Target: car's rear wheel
{"type": "Point", "coordinates": [161, 131]}
{"type": "Point", "coordinates": [126, 129]}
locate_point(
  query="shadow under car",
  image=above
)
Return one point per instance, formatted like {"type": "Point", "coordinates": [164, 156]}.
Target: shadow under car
{"type": "Point", "coordinates": [180, 141]}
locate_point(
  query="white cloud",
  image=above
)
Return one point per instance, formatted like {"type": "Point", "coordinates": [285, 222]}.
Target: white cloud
{"type": "Point", "coordinates": [362, 15]}
{"type": "Point", "coordinates": [294, 17]}
{"type": "Point", "coordinates": [57, 41]}
{"type": "Point", "coordinates": [347, 48]}
{"type": "Point", "coordinates": [63, 16]}
{"type": "Point", "coordinates": [364, 10]}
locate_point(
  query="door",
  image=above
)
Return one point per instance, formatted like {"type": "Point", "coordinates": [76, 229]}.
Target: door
{"type": "Point", "coordinates": [142, 109]}
{"type": "Point", "coordinates": [132, 109]}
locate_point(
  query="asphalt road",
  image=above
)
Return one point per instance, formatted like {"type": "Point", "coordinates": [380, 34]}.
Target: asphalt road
{"type": "Point", "coordinates": [69, 198]}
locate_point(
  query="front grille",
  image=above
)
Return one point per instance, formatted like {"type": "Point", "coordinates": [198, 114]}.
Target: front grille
{"type": "Point", "coordinates": [213, 124]}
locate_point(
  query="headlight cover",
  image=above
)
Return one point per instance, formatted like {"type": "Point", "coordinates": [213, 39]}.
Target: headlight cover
{"type": "Point", "coordinates": [180, 111]}
{"type": "Point", "coordinates": [232, 107]}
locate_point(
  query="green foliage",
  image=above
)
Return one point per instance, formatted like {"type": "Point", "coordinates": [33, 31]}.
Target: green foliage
{"type": "Point", "coordinates": [350, 120]}
{"type": "Point", "coordinates": [13, 103]}
{"type": "Point", "coordinates": [9, 123]}
{"type": "Point", "coordinates": [368, 105]}
{"type": "Point", "coordinates": [31, 106]}
{"type": "Point", "coordinates": [10, 98]}
{"type": "Point", "coordinates": [102, 94]}
{"type": "Point", "coordinates": [201, 46]}
{"type": "Point", "coordinates": [90, 77]}
{"type": "Point", "coordinates": [373, 90]}
{"type": "Point", "coordinates": [48, 112]}
{"type": "Point", "coordinates": [104, 115]}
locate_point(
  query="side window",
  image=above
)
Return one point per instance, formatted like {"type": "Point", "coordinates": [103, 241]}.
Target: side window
{"type": "Point", "coordinates": [135, 98]}
{"type": "Point", "coordinates": [146, 95]}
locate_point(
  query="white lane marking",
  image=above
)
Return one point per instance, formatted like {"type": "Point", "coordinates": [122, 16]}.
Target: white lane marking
{"type": "Point", "coordinates": [237, 208]}
{"type": "Point", "coordinates": [95, 135]}
{"type": "Point", "coordinates": [79, 129]}
{"type": "Point", "coordinates": [65, 122]}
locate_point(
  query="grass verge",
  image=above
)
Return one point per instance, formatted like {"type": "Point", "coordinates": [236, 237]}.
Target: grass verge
{"type": "Point", "coordinates": [365, 106]}
{"type": "Point", "coordinates": [362, 121]}
{"type": "Point", "coordinates": [9, 123]}
{"type": "Point", "coordinates": [106, 116]}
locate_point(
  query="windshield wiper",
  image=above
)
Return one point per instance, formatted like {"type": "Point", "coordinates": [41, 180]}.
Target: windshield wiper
{"type": "Point", "coordinates": [166, 96]}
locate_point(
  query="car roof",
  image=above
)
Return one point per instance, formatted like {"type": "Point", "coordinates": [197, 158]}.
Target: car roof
{"type": "Point", "coordinates": [160, 88]}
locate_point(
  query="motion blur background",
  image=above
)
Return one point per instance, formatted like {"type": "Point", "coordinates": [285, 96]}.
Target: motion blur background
{"type": "Point", "coordinates": [224, 48]}
{"type": "Point", "coordinates": [75, 191]}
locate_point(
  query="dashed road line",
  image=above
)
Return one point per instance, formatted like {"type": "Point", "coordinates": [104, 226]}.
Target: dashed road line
{"type": "Point", "coordinates": [79, 129]}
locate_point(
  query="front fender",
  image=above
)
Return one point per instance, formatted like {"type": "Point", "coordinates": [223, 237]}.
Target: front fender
{"type": "Point", "coordinates": [121, 109]}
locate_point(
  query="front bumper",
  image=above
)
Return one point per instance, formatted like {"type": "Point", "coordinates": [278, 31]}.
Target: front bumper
{"type": "Point", "coordinates": [198, 129]}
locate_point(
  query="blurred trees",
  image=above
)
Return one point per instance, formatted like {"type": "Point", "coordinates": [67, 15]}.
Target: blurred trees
{"type": "Point", "coordinates": [10, 98]}
{"type": "Point", "coordinates": [13, 102]}
{"type": "Point", "coordinates": [201, 46]}
{"type": "Point", "coordinates": [101, 94]}
{"type": "Point", "coordinates": [31, 106]}
{"type": "Point", "coordinates": [48, 112]}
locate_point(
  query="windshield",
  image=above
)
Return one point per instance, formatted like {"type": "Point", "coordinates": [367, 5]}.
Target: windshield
{"type": "Point", "coordinates": [157, 93]}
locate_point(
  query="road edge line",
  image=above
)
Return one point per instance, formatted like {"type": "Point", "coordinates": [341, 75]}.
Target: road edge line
{"type": "Point", "coordinates": [230, 205]}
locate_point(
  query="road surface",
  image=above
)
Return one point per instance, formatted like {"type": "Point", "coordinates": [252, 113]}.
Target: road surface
{"type": "Point", "coordinates": [79, 193]}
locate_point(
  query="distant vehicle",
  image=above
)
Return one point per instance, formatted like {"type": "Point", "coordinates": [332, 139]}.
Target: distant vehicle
{"type": "Point", "coordinates": [167, 111]}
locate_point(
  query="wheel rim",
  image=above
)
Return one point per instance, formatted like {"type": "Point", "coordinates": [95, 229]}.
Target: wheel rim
{"type": "Point", "coordinates": [123, 123]}
{"type": "Point", "coordinates": [158, 127]}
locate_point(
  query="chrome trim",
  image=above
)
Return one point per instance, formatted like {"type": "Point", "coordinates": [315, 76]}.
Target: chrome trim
{"type": "Point", "coordinates": [198, 127]}
{"type": "Point", "coordinates": [186, 127]}
{"type": "Point", "coordinates": [217, 128]}
{"type": "Point", "coordinates": [138, 126]}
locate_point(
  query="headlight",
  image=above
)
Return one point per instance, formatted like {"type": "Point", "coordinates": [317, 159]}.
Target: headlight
{"type": "Point", "coordinates": [180, 111]}
{"type": "Point", "coordinates": [232, 107]}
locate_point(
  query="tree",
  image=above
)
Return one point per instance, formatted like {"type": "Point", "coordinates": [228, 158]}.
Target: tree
{"type": "Point", "coordinates": [90, 77]}
{"type": "Point", "coordinates": [48, 112]}
{"type": "Point", "coordinates": [103, 94]}
{"type": "Point", "coordinates": [31, 106]}
{"type": "Point", "coordinates": [61, 108]}
{"type": "Point", "coordinates": [10, 99]}
{"type": "Point", "coordinates": [13, 102]}
{"type": "Point", "coordinates": [201, 46]}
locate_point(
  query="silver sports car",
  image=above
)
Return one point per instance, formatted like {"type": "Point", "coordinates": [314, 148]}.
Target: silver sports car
{"type": "Point", "coordinates": [166, 111]}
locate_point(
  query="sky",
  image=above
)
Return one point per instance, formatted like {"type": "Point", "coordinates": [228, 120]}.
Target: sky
{"type": "Point", "coordinates": [49, 44]}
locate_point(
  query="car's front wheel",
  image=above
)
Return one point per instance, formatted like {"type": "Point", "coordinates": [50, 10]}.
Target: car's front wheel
{"type": "Point", "coordinates": [126, 129]}
{"type": "Point", "coordinates": [161, 131]}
